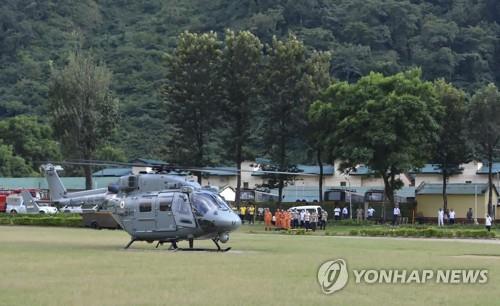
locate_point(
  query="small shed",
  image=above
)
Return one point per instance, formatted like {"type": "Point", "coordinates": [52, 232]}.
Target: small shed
{"type": "Point", "coordinates": [461, 197]}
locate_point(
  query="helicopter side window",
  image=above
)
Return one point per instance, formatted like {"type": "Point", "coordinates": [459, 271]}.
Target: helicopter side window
{"type": "Point", "coordinates": [183, 206]}
{"type": "Point", "coordinates": [220, 202]}
{"type": "Point", "coordinates": [165, 204]}
{"type": "Point", "coordinates": [203, 203]}
{"type": "Point", "coordinates": [145, 206]}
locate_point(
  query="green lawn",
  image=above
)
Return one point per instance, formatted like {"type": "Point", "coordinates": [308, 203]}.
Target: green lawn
{"type": "Point", "coordinates": [72, 266]}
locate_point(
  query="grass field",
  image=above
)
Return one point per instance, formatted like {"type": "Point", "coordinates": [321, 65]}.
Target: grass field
{"type": "Point", "coordinates": [72, 266]}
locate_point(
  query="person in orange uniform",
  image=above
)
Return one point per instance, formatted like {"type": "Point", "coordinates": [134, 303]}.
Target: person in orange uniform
{"type": "Point", "coordinates": [278, 218]}
{"type": "Point", "coordinates": [289, 220]}
{"type": "Point", "coordinates": [268, 217]}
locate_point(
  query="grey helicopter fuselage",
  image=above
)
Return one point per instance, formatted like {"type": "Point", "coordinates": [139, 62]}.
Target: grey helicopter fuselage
{"type": "Point", "coordinates": [169, 208]}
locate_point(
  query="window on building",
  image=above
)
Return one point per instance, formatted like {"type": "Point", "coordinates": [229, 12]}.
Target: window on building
{"type": "Point", "coordinates": [245, 185]}
{"type": "Point", "coordinates": [468, 182]}
{"type": "Point", "coordinates": [343, 184]}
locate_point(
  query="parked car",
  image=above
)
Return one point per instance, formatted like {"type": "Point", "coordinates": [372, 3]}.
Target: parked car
{"type": "Point", "coordinates": [16, 204]}
{"type": "Point", "coordinates": [310, 208]}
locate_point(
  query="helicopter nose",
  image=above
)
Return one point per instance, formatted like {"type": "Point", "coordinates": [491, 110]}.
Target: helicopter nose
{"type": "Point", "coordinates": [228, 222]}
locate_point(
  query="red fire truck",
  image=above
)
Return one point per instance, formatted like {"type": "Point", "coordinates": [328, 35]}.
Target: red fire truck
{"type": "Point", "coordinates": [4, 193]}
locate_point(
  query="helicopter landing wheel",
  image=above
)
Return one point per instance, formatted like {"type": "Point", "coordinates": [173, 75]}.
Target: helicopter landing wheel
{"type": "Point", "coordinates": [219, 249]}
{"type": "Point", "coordinates": [129, 244]}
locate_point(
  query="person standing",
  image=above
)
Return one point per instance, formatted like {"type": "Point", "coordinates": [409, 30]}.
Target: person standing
{"type": "Point", "coordinates": [359, 215]}
{"type": "Point", "coordinates": [324, 219]}
{"type": "Point", "coordinates": [487, 222]}
{"type": "Point", "coordinates": [452, 216]}
{"type": "Point", "coordinates": [248, 215]}
{"type": "Point", "coordinates": [243, 210]}
{"type": "Point", "coordinates": [336, 213]}
{"type": "Point", "coordinates": [370, 212]}
{"type": "Point", "coordinates": [440, 217]}
{"type": "Point", "coordinates": [469, 216]}
{"type": "Point", "coordinates": [251, 218]}
{"type": "Point", "coordinates": [396, 213]}
{"type": "Point", "coordinates": [314, 220]}
{"type": "Point", "coordinates": [345, 213]}
{"type": "Point", "coordinates": [302, 218]}
{"type": "Point", "coordinates": [307, 219]}
{"type": "Point", "coordinates": [268, 217]}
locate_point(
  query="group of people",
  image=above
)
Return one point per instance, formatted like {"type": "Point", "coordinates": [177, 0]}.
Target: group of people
{"type": "Point", "coordinates": [444, 215]}
{"type": "Point", "coordinates": [284, 219]}
{"type": "Point", "coordinates": [247, 213]}
{"type": "Point", "coordinates": [343, 213]}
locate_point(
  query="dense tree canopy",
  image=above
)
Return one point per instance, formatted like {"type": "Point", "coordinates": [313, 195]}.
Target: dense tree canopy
{"type": "Point", "coordinates": [454, 40]}
{"type": "Point", "coordinates": [386, 123]}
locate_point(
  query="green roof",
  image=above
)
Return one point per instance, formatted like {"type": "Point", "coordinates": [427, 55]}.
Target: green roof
{"type": "Point", "coordinates": [495, 168]}
{"type": "Point", "coordinates": [457, 189]}
{"type": "Point", "coordinates": [71, 183]}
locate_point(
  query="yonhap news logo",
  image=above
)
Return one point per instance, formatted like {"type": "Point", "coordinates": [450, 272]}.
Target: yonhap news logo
{"type": "Point", "coordinates": [333, 275]}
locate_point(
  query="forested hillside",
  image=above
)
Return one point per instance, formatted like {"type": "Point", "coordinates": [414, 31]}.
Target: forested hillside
{"type": "Point", "coordinates": [452, 39]}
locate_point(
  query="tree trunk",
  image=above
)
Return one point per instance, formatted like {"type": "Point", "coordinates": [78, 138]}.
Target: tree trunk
{"type": "Point", "coordinates": [280, 190]}
{"type": "Point", "coordinates": [490, 181]}
{"type": "Point", "coordinates": [445, 194]}
{"type": "Point", "coordinates": [88, 177]}
{"type": "Point", "coordinates": [389, 193]}
{"type": "Point", "coordinates": [320, 163]}
{"type": "Point", "coordinates": [238, 176]}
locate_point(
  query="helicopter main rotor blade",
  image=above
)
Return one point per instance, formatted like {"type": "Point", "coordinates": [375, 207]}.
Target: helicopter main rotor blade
{"type": "Point", "coordinates": [178, 168]}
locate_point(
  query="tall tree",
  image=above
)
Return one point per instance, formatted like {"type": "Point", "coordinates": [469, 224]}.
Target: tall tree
{"type": "Point", "coordinates": [385, 123]}
{"type": "Point", "coordinates": [452, 148]}
{"type": "Point", "coordinates": [84, 111]}
{"type": "Point", "coordinates": [287, 90]}
{"type": "Point", "coordinates": [191, 97]}
{"type": "Point", "coordinates": [241, 65]}
{"type": "Point", "coordinates": [484, 128]}
{"type": "Point", "coordinates": [318, 69]}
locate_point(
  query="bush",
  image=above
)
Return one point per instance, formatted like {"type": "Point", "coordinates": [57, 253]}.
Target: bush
{"type": "Point", "coordinates": [43, 220]}
{"type": "Point", "coordinates": [354, 232]}
{"type": "Point", "coordinates": [5, 221]}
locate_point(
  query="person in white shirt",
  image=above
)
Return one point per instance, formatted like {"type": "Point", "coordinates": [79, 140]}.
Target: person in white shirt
{"type": "Point", "coordinates": [370, 212]}
{"type": "Point", "coordinates": [452, 216]}
{"type": "Point", "coordinates": [302, 216]}
{"type": "Point", "coordinates": [487, 222]}
{"type": "Point", "coordinates": [440, 217]}
{"type": "Point", "coordinates": [345, 213]}
{"type": "Point", "coordinates": [395, 215]}
{"type": "Point", "coordinates": [307, 219]}
{"type": "Point", "coordinates": [336, 213]}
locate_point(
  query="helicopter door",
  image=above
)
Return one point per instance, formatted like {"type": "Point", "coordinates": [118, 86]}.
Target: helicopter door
{"type": "Point", "coordinates": [146, 216]}
{"type": "Point", "coordinates": [183, 213]}
{"type": "Point", "coordinates": [164, 216]}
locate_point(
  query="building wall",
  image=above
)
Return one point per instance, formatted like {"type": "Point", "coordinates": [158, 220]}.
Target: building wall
{"type": "Point", "coordinates": [429, 205]}
{"type": "Point", "coordinates": [469, 174]}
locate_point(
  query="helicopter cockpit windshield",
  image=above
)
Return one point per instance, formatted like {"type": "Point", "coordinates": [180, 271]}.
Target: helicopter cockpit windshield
{"type": "Point", "coordinates": [204, 202]}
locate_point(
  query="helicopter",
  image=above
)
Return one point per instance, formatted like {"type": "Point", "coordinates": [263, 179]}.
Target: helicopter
{"type": "Point", "coordinates": [156, 207]}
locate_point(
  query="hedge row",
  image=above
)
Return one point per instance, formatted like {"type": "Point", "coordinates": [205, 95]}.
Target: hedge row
{"type": "Point", "coordinates": [43, 221]}
{"type": "Point", "coordinates": [427, 232]}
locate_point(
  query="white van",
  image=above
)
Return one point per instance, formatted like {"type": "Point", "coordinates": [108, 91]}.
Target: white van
{"type": "Point", "coordinates": [310, 208]}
